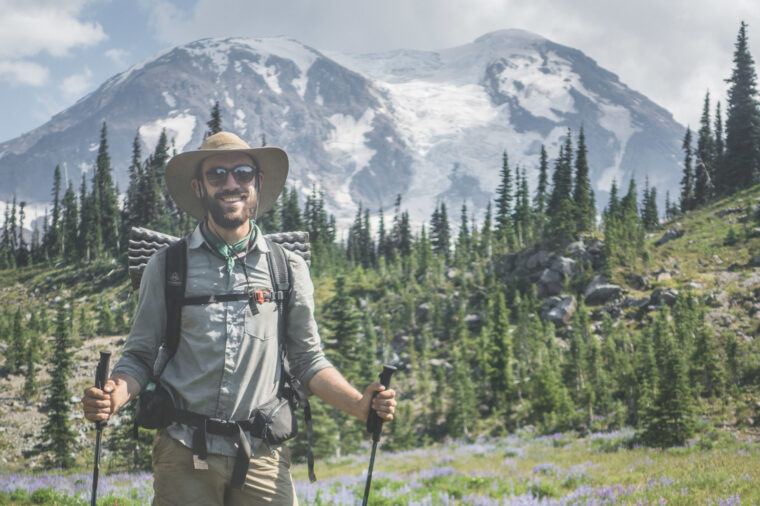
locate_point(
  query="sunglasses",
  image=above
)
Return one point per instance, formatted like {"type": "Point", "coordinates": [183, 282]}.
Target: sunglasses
{"type": "Point", "coordinates": [243, 174]}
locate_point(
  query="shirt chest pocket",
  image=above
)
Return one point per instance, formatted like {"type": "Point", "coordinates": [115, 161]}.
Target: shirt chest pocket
{"type": "Point", "coordinates": [262, 326]}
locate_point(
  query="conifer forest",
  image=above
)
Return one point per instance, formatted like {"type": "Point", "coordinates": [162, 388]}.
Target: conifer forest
{"type": "Point", "coordinates": [543, 324]}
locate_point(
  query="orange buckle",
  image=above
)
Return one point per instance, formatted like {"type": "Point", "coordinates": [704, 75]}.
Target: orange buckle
{"type": "Point", "coordinates": [259, 296]}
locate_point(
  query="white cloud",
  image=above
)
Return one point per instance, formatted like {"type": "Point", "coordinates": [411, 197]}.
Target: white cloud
{"type": "Point", "coordinates": [118, 56]}
{"type": "Point", "coordinates": [76, 84]}
{"type": "Point", "coordinates": [23, 72]}
{"type": "Point", "coordinates": [32, 27]}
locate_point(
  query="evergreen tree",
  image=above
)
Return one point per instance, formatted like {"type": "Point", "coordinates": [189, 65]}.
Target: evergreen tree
{"type": "Point", "coordinates": [14, 357]}
{"type": "Point", "coordinates": [501, 375]}
{"type": "Point", "coordinates": [561, 211]}
{"type": "Point", "coordinates": [401, 233]}
{"type": "Point", "coordinates": [343, 323]}
{"type": "Point", "coordinates": [215, 123]}
{"type": "Point", "coordinates": [69, 228]}
{"type": "Point", "coordinates": [463, 238]}
{"type": "Point", "coordinates": [687, 181]}
{"type": "Point", "coordinates": [583, 194]}
{"type": "Point", "coordinates": [504, 197]}
{"type": "Point", "coordinates": [462, 409]}
{"type": "Point", "coordinates": [649, 213]}
{"type": "Point", "coordinates": [107, 203]}
{"type": "Point", "coordinates": [540, 200]}
{"type": "Point", "coordinates": [742, 149]}
{"type": "Point", "coordinates": [485, 233]}
{"type": "Point", "coordinates": [291, 213]}
{"type": "Point", "coordinates": [106, 320]}
{"type": "Point", "coordinates": [132, 213]}
{"type": "Point", "coordinates": [669, 422]}
{"type": "Point", "coordinates": [53, 237]}
{"type": "Point", "coordinates": [718, 147]}
{"type": "Point", "coordinates": [58, 435]}
{"type": "Point", "coordinates": [440, 232]}
{"type": "Point", "coordinates": [23, 255]}
{"type": "Point", "coordinates": [704, 169]}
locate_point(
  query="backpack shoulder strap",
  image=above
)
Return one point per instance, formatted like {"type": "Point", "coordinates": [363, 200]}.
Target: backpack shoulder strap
{"type": "Point", "coordinates": [174, 287]}
{"type": "Point", "coordinates": [279, 270]}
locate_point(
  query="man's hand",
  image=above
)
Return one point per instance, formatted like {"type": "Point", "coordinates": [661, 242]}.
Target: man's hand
{"type": "Point", "coordinates": [330, 386]}
{"type": "Point", "coordinates": [384, 403]}
{"type": "Point", "coordinates": [99, 405]}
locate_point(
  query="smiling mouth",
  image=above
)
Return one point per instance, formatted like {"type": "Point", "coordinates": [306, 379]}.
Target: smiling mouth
{"type": "Point", "coordinates": [232, 198]}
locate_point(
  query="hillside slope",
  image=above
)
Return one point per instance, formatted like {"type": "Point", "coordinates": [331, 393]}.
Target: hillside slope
{"type": "Point", "coordinates": [714, 256]}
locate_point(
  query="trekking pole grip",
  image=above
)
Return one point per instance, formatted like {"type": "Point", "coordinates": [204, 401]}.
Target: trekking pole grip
{"type": "Point", "coordinates": [374, 422]}
{"type": "Point", "coordinates": [101, 374]}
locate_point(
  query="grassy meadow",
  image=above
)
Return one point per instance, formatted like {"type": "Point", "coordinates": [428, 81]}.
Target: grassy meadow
{"type": "Point", "coordinates": [521, 469]}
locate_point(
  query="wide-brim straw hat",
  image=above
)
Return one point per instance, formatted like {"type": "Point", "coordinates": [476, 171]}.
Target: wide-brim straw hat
{"type": "Point", "coordinates": [181, 169]}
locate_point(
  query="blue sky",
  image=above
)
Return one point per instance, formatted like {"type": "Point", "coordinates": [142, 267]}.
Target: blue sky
{"type": "Point", "coordinates": [53, 52]}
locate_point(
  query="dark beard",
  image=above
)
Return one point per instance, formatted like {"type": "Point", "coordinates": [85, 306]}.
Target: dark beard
{"type": "Point", "coordinates": [227, 221]}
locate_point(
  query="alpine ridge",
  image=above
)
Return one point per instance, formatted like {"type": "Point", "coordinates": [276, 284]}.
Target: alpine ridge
{"type": "Point", "coordinates": [429, 125]}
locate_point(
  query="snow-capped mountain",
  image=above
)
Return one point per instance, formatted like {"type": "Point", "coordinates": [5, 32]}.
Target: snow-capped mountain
{"type": "Point", "coordinates": [431, 125]}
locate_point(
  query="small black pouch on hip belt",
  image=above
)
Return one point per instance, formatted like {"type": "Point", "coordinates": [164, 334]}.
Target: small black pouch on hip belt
{"type": "Point", "coordinates": [153, 408]}
{"type": "Point", "coordinates": [275, 421]}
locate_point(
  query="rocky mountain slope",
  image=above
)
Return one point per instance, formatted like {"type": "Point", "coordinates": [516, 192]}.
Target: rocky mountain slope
{"type": "Point", "coordinates": [431, 125]}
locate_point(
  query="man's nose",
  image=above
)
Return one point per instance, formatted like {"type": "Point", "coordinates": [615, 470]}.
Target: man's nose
{"type": "Point", "coordinates": [230, 181]}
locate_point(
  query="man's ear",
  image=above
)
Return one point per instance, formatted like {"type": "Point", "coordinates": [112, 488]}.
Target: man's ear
{"type": "Point", "coordinates": [196, 188]}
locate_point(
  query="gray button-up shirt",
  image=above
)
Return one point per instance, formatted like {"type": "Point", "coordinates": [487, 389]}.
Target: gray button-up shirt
{"type": "Point", "coordinates": [228, 360]}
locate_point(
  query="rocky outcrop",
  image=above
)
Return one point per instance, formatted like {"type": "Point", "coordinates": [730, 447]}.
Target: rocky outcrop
{"type": "Point", "coordinates": [599, 291]}
{"type": "Point", "coordinates": [550, 271]}
{"type": "Point", "coordinates": [674, 232]}
{"type": "Point", "coordinates": [558, 309]}
{"type": "Point", "coordinates": [664, 296]}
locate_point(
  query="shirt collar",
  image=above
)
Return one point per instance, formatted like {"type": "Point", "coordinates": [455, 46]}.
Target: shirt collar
{"type": "Point", "coordinates": [196, 240]}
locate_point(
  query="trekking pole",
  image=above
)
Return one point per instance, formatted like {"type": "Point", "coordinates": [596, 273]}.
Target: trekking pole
{"type": "Point", "coordinates": [375, 426]}
{"type": "Point", "coordinates": [101, 373]}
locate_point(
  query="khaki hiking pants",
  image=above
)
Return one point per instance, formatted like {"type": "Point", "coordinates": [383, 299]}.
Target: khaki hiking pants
{"type": "Point", "coordinates": [177, 482]}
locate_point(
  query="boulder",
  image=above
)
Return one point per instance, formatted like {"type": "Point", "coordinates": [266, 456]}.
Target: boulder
{"type": "Point", "coordinates": [558, 309]}
{"type": "Point", "coordinates": [601, 292]}
{"type": "Point", "coordinates": [674, 232]}
{"type": "Point", "coordinates": [537, 260]}
{"type": "Point", "coordinates": [664, 296]}
{"type": "Point", "coordinates": [637, 303]}
{"type": "Point", "coordinates": [563, 265]}
{"type": "Point", "coordinates": [550, 283]}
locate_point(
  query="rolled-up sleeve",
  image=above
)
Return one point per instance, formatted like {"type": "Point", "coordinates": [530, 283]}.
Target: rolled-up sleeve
{"type": "Point", "coordinates": [304, 350]}
{"type": "Point", "coordinates": [149, 324]}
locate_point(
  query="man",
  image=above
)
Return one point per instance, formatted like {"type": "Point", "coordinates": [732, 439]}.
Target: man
{"type": "Point", "coordinates": [227, 361]}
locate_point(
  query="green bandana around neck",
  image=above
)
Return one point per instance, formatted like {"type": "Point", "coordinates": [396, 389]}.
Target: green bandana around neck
{"type": "Point", "coordinates": [228, 251]}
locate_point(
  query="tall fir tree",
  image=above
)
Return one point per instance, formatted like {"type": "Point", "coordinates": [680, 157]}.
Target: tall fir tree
{"type": "Point", "coordinates": [108, 202]}
{"type": "Point", "coordinates": [214, 124]}
{"type": "Point", "coordinates": [70, 225]}
{"type": "Point", "coordinates": [440, 232]}
{"type": "Point", "coordinates": [291, 212]}
{"type": "Point", "coordinates": [58, 435]}
{"type": "Point", "coordinates": [687, 181]}
{"type": "Point", "coordinates": [541, 199]}
{"type": "Point", "coordinates": [583, 194]}
{"type": "Point", "coordinates": [53, 237]}
{"type": "Point", "coordinates": [742, 150]}
{"type": "Point", "coordinates": [704, 170]}
{"type": "Point", "coordinates": [670, 420]}
{"type": "Point", "coordinates": [718, 147]}
{"type": "Point", "coordinates": [504, 198]}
